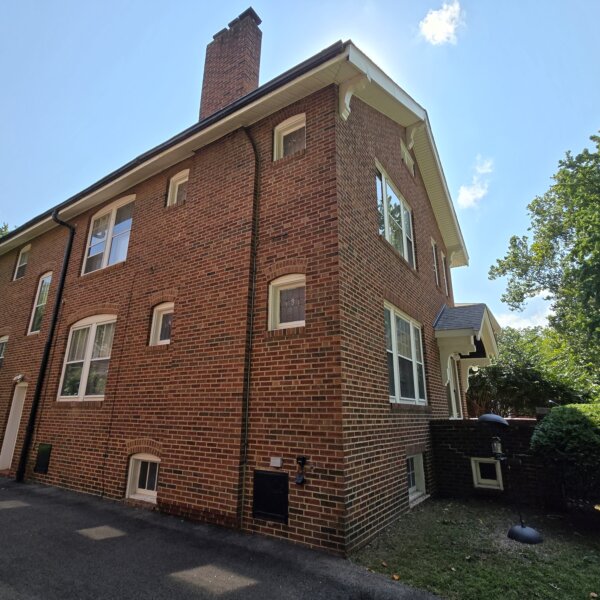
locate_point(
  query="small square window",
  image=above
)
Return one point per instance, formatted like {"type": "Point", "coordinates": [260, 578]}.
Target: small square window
{"type": "Point", "coordinates": [415, 477]}
{"type": "Point", "coordinates": [143, 477]}
{"type": "Point", "coordinates": [287, 302]}
{"type": "Point", "coordinates": [487, 473]}
{"type": "Point", "coordinates": [178, 185]}
{"type": "Point", "coordinates": [22, 260]}
{"type": "Point", "coordinates": [162, 321]}
{"type": "Point", "coordinates": [290, 137]}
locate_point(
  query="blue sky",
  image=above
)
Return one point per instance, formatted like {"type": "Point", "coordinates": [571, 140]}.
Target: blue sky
{"type": "Point", "coordinates": [509, 87]}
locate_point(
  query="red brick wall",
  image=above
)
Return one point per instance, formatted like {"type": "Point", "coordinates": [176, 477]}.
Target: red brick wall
{"type": "Point", "coordinates": [378, 435]}
{"type": "Point", "coordinates": [231, 65]}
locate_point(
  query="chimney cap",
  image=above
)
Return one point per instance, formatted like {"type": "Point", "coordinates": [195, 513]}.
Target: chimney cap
{"type": "Point", "coordinates": [249, 12]}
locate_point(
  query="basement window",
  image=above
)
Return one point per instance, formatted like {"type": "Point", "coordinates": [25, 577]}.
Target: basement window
{"type": "Point", "coordinates": [143, 477]}
{"type": "Point", "coordinates": [287, 302]}
{"type": "Point", "coordinates": [178, 185]}
{"type": "Point", "coordinates": [487, 473]}
{"type": "Point", "coordinates": [162, 320]}
{"type": "Point", "coordinates": [22, 260]}
{"type": "Point", "coordinates": [415, 477]}
{"type": "Point", "coordinates": [270, 496]}
{"type": "Point", "coordinates": [290, 137]}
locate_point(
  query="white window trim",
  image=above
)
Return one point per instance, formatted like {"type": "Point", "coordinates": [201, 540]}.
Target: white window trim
{"type": "Point", "coordinates": [3, 345]}
{"type": "Point", "coordinates": [480, 482]}
{"type": "Point", "coordinates": [36, 303]}
{"type": "Point", "coordinates": [87, 322]}
{"type": "Point", "coordinates": [445, 274]}
{"type": "Point", "coordinates": [174, 184]}
{"type": "Point", "coordinates": [436, 269]}
{"type": "Point", "coordinates": [285, 128]}
{"type": "Point", "coordinates": [159, 312]}
{"type": "Point", "coordinates": [132, 479]}
{"type": "Point", "coordinates": [283, 283]}
{"type": "Point", "coordinates": [454, 378]}
{"type": "Point", "coordinates": [397, 399]}
{"type": "Point", "coordinates": [417, 492]}
{"type": "Point", "coordinates": [112, 209]}
{"type": "Point", "coordinates": [385, 180]}
{"type": "Point", "coordinates": [21, 252]}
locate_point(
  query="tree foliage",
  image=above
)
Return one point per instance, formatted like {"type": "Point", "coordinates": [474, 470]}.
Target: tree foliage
{"type": "Point", "coordinates": [3, 229]}
{"type": "Point", "coordinates": [534, 366]}
{"type": "Point", "coordinates": [562, 260]}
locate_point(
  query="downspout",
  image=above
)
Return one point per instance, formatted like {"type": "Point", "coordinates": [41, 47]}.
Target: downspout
{"type": "Point", "coordinates": [20, 475]}
{"type": "Point", "coordinates": [250, 323]}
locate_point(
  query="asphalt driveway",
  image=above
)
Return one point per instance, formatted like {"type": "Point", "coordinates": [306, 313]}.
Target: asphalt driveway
{"type": "Point", "coordinates": [56, 544]}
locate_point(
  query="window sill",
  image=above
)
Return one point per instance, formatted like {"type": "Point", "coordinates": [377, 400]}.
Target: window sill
{"type": "Point", "coordinates": [417, 499]}
{"type": "Point", "coordinates": [87, 404]}
{"type": "Point", "coordinates": [287, 159]}
{"type": "Point", "coordinates": [158, 347]}
{"type": "Point", "coordinates": [406, 407]}
{"type": "Point", "coordinates": [397, 254]}
{"type": "Point", "coordinates": [142, 498]}
{"type": "Point", "coordinates": [285, 332]}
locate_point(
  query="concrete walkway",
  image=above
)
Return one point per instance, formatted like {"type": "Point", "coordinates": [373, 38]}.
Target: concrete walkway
{"type": "Point", "coordinates": [56, 544]}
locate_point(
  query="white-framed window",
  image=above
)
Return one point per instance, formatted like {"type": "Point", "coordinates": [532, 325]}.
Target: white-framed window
{"type": "Point", "coordinates": [404, 350]}
{"type": "Point", "coordinates": [3, 344]}
{"type": "Point", "coordinates": [487, 473]}
{"type": "Point", "coordinates": [407, 159]}
{"type": "Point", "coordinates": [436, 269]}
{"type": "Point", "coordinates": [289, 136]}
{"type": "Point", "coordinates": [85, 368]}
{"type": "Point", "coordinates": [178, 185]}
{"type": "Point", "coordinates": [162, 321]}
{"type": "Point", "coordinates": [415, 477]}
{"type": "Point", "coordinates": [287, 299]}
{"type": "Point", "coordinates": [22, 260]}
{"type": "Point", "coordinates": [453, 391]}
{"type": "Point", "coordinates": [395, 222]}
{"type": "Point", "coordinates": [445, 274]}
{"type": "Point", "coordinates": [39, 306]}
{"type": "Point", "coordinates": [142, 482]}
{"type": "Point", "coordinates": [108, 238]}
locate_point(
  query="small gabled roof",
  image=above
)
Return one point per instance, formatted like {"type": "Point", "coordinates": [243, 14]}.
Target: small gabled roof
{"type": "Point", "coordinates": [341, 64]}
{"type": "Point", "coordinates": [462, 316]}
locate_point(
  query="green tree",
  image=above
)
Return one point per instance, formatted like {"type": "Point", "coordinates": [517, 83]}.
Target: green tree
{"type": "Point", "coordinates": [562, 260]}
{"type": "Point", "coordinates": [3, 229]}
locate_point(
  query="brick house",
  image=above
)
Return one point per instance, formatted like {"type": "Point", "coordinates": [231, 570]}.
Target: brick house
{"type": "Point", "coordinates": [253, 323]}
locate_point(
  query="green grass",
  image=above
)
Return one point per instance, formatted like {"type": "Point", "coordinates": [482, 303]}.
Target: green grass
{"type": "Point", "coordinates": [459, 550]}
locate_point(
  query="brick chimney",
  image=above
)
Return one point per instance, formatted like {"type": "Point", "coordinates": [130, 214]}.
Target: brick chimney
{"type": "Point", "coordinates": [232, 63]}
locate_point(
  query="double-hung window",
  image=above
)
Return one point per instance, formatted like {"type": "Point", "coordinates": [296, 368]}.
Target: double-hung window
{"type": "Point", "coordinates": [85, 369]}
{"type": "Point", "coordinates": [404, 349]}
{"type": "Point", "coordinates": [178, 185]}
{"type": "Point", "coordinates": [3, 344]}
{"type": "Point", "coordinates": [41, 298]}
{"type": "Point", "coordinates": [109, 236]}
{"type": "Point", "coordinates": [22, 260]}
{"type": "Point", "coordinates": [395, 218]}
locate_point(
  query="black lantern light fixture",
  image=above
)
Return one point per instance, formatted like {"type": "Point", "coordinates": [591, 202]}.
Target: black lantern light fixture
{"type": "Point", "coordinates": [520, 533]}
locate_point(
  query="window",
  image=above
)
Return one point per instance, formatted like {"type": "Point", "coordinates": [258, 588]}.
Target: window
{"type": "Point", "coordinates": [435, 262]}
{"type": "Point", "coordinates": [487, 473]}
{"type": "Point", "coordinates": [445, 275]}
{"type": "Point", "coordinates": [404, 348]}
{"type": "Point", "coordinates": [270, 496]}
{"type": "Point", "coordinates": [453, 392]}
{"type": "Point", "coordinates": [41, 298]}
{"type": "Point", "coordinates": [178, 188]}
{"type": "Point", "coordinates": [415, 477]}
{"type": "Point", "coordinates": [143, 477]}
{"type": "Point", "coordinates": [162, 320]}
{"type": "Point", "coordinates": [287, 302]}
{"type": "Point", "coordinates": [407, 159]}
{"type": "Point", "coordinates": [88, 355]}
{"type": "Point", "coordinates": [109, 236]}
{"type": "Point", "coordinates": [3, 344]}
{"type": "Point", "coordinates": [22, 262]}
{"type": "Point", "coordinates": [289, 137]}
{"type": "Point", "coordinates": [395, 223]}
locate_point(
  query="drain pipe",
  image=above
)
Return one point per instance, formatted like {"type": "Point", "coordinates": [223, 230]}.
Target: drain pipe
{"type": "Point", "coordinates": [250, 325]}
{"type": "Point", "coordinates": [20, 475]}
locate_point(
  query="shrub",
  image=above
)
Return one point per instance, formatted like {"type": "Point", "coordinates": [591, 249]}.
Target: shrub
{"type": "Point", "coordinates": [567, 442]}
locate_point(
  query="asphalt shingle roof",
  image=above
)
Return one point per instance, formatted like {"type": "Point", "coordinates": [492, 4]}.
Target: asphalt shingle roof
{"type": "Point", "coordinates": [466, 316]}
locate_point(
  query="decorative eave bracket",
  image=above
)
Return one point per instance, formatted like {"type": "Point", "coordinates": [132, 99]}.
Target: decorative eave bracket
{"type": "Point", "coordinates": [347, 89]}
{"type": "Point", "coordinates": [411, 131]}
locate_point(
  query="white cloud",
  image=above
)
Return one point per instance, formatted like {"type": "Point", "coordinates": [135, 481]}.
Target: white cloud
{"type": "Point", "coordinates": [470, 195]}
{"type": "Point", "coordinates": [536, 314]}
{"type": "Point", "coordinates": [439, 26]}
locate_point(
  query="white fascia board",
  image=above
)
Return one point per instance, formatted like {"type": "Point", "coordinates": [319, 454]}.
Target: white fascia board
{"type": "Point", "coordinates": [455, 333]}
